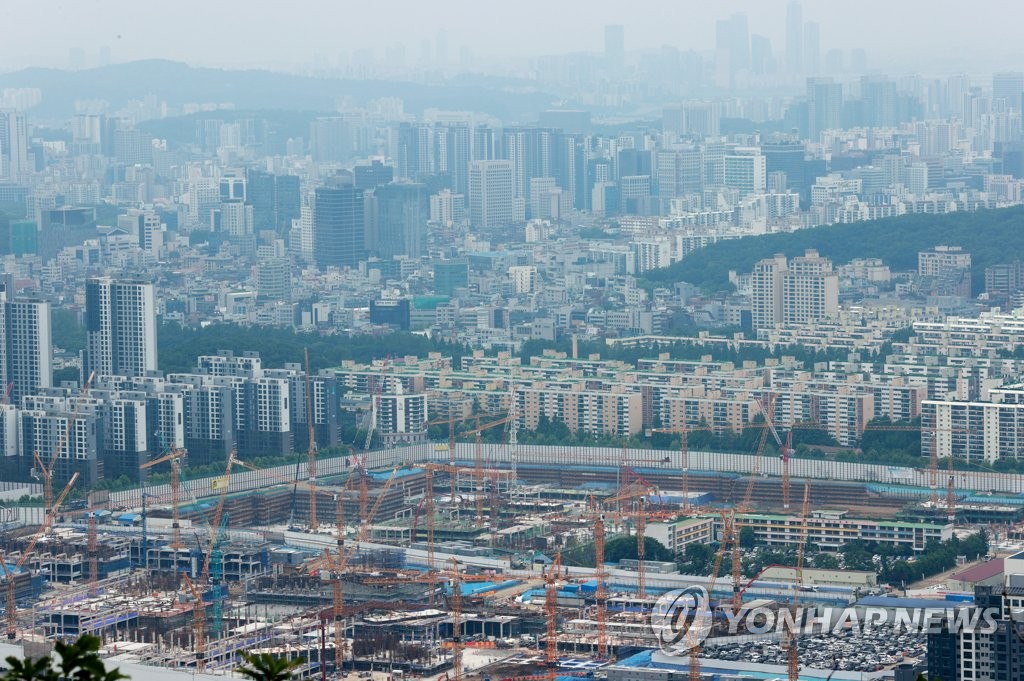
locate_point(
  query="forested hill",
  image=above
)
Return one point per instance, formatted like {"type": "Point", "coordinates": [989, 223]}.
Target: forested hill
{"type": "Point", "coordinates": [991, 237]}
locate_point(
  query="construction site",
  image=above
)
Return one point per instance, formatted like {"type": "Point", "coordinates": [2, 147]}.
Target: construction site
{"type": "Point", "coordinates": [444, 560]}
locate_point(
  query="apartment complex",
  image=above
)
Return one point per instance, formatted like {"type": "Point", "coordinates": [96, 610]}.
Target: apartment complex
{"type": "Point", "coordinates": [615, 398]}
{"type": "Point", "coordinates": [229, 402]}
{"type": "Point", "coordinates": [798, 291]}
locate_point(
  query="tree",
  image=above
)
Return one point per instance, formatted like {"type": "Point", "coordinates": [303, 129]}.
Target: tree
{"type": "Point", "coordinates": [697, 558]}
{"type": "Point", "coordinates": [826, 561]}
{"type": "Point", "coordinates": [79, 660]}
{"type": "Point", "coordinates": [266, 667]}
{"type": "Point", "coordinates": [748, 538]}
{"type": "Point", "coordinates": [625, 548]}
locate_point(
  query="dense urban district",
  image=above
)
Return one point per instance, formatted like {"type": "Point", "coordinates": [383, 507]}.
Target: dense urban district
{"type": "Point", "coordinates": [384, 372]}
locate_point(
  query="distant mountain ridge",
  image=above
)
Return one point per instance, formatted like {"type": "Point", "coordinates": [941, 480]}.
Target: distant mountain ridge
{"type": "Point", "coordinates": [178, 83]}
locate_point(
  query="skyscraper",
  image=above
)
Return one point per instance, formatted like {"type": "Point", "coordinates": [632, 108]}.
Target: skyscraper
{"type": "Point", "coordinates": [732, 42]}
{"type": "Point", "coordinates": [746, 170]}
{"type": "Point", "coordinates": [452, 154]}
{"type": "Point", "coordinates": [287, 201]}
{"type": "Point", "coordinates": [120, 324]}
{"type": "Point", "coordinates": [794, 38]}
{"type": "Point", "coordinates": [878, 101]}
{"type": "Point", "coordinates": [13, 144]}
{"type": "Point", "coordinates": [402, 213]}
{"type": "Point", "coordinates": [25, 346]}
{"type": "Point", "coordinates": [1008, 87]}
{"type": "Point", "coordinates": [824, 106]}
{"type": "Point", "coordinates": [615, 46]}
{"type": "Point", "coordinates": [260, 193]}
{"type": "Point", "coordinates": [338, 228]}
{"type": "Point", "coordinates": [490, 193]}
{"type": "Point", "coordinates": [372, 175]}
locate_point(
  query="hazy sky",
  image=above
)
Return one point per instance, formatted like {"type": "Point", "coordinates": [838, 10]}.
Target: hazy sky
{"type": "Point", "coordinates": [920, 34]}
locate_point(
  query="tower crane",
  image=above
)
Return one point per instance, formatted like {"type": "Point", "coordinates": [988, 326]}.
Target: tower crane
{"type": "Point", "coordinates": [551, 615]}
{"type": "Point", "coordinates": [789, 636]}
{"type": "Point", "coordinates": [743, 507]}
{"type": "Point", "coordinates": [785, 449]}
{"type": "Point", "coordinates": [683, 432]}
{"type": "Point", "coordinates": [691, 635]}
{"type": "Point", "coordinates": [46, 469]}
{"type": "Point", "coordinates": [600, 575]}
{"type": "Point", "coordinates": [174, 458]}
{"type": "Point", "coordinates": [11, 601]}
{"type": "Point", "coordinates": [199, 609]}
{"type": "Point", "coordinates": [635, 493]}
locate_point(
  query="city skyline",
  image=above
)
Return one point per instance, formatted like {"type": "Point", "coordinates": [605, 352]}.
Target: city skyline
{"type": "Point", "coordinates": [282, 36]}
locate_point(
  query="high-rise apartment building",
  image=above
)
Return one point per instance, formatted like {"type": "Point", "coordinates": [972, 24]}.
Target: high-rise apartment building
{"type": "Point", "coordinates": [13, 144]}
{"type": "Point", "coordinates": [810, 289]}
{"type": "Point", "coordinates": [945, 270]}
{"type": "Point", "coordinates": [120, 323]}
{"type": "Point", "coordinates": [802, 290]}
{"type": "Point", "coordinates": [766, 292]}
{"type": "Point", "coordinates": [338, 226]}
{"type": "Point", "coordinates": [490, 193]}
{"type": "Point", "coordinates": [25, 346]}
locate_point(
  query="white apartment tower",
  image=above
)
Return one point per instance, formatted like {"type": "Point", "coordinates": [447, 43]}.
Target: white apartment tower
{"type": "Point", "coordinates": [810, 289]}
{"type": "Point", "coordinates": [766, 292]}
{"type": "Point", "coordinates": [120, 322]}
{"type": "Point", "coordinates": [25, 346]}
{"type": "Point", "coordinates": [800, 291]}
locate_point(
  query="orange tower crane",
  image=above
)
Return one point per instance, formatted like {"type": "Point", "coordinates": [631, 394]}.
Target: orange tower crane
{"type": "Point", "coordinates": [683, 432]}
{"type": "Point", "coordinates": [789, 636]}
{"type": "Point", "coordinates": [744, 506]}
{"type": "Point", "coordinates": [635, 493]}
{"type": "Point", "coordinates": [551, 615]}
{"type": "Point", "coordinates": [174, 457]}
{"type": "Point", "coordinates": [695, 641]}
{"type": "Point", "coordinates": [11, 604]}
